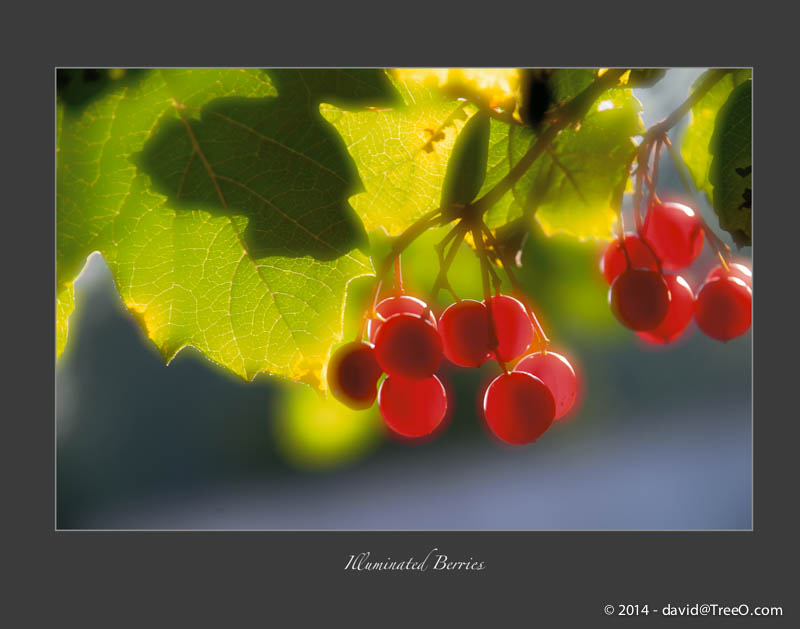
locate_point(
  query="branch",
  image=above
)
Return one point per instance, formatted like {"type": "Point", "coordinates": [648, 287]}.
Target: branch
{"type": "Point", "coordinates": [660, 128]}
{"type": "Point", "coordinates": [571, 112]}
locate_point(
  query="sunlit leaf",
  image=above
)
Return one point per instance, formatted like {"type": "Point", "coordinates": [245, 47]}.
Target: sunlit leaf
{"type": "Point", "coordinates": [570, 187]}
{"type": "Point", "coordinates": [695, 144]}
{"type": "Point", "coordinates": [401, 153]}
{"type": "Point", "coordinates": [64, 307]}
{"type": "Point", "coordinates": [184, 261]}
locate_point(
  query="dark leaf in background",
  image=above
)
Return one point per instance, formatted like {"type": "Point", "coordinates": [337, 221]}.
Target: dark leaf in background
{"type": "Point", "coordinates": [646, 77]}
{"type": "Point", "coordinates": [466, 168]}
{"type": "Point", "coordinates": [731, 164]}
{"type": "Point", "coordinates": [536, 96]}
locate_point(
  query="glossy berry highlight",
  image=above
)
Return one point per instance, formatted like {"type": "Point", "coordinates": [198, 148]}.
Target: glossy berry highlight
{"type": "Point", "coordinates": [408, 346]}
{"type": "Point", "coordinates": [558, 376]}
{"type": "Point", "coordinates": [723, 308]}
{"type": "Point", "coordinates": [734, 270]}
{"type": "Point", "coordinates": [675, 233]}
{"type": "Point", "coordinates": [396, 305]}
{"type": "Point", "coordinates": [353, 373]}
{"type": "Point", "coordinates": [639, 299]}
{"type": "Point", "coordinates": [412, 408]}
{"type": "Point", "coordinates": [518, 407]}
{"type": "Point", "coordinates": [614, 261]}
{"type": "Point", "coordinates": [679, 313]}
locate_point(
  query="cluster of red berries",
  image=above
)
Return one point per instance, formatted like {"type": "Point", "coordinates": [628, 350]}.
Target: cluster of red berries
{"type": "Point", "coordinates": [407, 343]}
{"type": "Point", "coordinates": [658, 304]}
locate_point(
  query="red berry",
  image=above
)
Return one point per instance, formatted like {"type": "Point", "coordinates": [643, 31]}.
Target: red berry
{"type": "Point", "coordinates": [395, 305]}
{"type": "Point", "coordinates": [512, 326]}
{"type": "Point", "coordinates": [353, 373]}
{"type": "Point", "coordinates": [675, 233]}
{"type": "Point", "coordinates": [557, 374]}
{"type": "Point", "coordinates": [614, 262]}
{"type": "Point", "coordinates": [723, 308]}
{"type": "Point", "coordinates": [519, 408]}
{"type": "Point", "coordinates": [679, 314]}
{"type": "Point", "coordinates": [412, 408]}
{"type": "Point", "coordinates": [639, 298]}
{"type": "Point", "coordinates": [409, 346]}
{"type": "Point", "coordinates": [464, 328]}
{"type": "Point", "coordinates": [734, 270]}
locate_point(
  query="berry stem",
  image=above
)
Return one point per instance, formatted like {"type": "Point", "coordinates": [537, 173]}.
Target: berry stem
{"type": "Point", "coordinates": [398, 277]}
{"type": "Point", "coordinates": [496, 281]}
{"type": "Point", "coordinates": [659, 130]}
{"type": "Point", "coordinates": [445, 261]}
{"type": "Point", "coordinates": [653, 182]}
{"type": "Point", "coordinates": [655, 136]}
{"type": "Point", "coordinates": [517, 286]}
{"type": "Point", "coordinates": [412, 232]}
{"type": "Point", "coordinates": [720, 248]}
{"type": "Point", "coordinates": [487, 294]}
{"type": "Point", "coordinates": [619, 192]}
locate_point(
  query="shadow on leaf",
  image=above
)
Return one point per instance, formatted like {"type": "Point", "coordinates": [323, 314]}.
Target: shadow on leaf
{"type": "Point", "coordinates": [274, 161]}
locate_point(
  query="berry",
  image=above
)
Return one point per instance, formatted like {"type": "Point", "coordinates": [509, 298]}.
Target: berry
{"type": "Point", "coordinates": [518, 407]}
{"type": "Point", "coordinates": [557, 375]}
{"type": "Point", "coordinates": [679, 314]}
{"type": "Point", "coordinates": [639, 298]}
{"type": "Point", "coordinates": [675, 233]}
{"type": "Point", "coordinates": [734, 270]}
{"type": "Point", "coordinates": [353, 373]}
{"type": "Point", "coordinates": [395, 305]}
{"type": "Point", "coordinates": [512, 326]}
{"type": "Point", "coordinates": [723, 308]}
{"type": "Point", "coordinates": [407, 345]}
{"type": "Point", "coordinates": [412, 408]}
{"type": "Point", "coordinates": [614, 262]}
{"type": "Point", "coordinates": [464, 328]}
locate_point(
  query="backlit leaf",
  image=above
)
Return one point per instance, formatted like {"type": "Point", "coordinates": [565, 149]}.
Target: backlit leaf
{"type": "Point", "coordinates": [695, 144]}
{"type": "Point", "coordinates": [570, 187]}
{"type": "Point", "coordinates": [250, 281]}
{"type": "Point", "coordinates": [401, 153]}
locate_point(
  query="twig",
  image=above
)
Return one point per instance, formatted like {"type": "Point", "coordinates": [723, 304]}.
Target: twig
{"type": "Point", "coordinates": [487, 295]}
{"type": "Point", "coordinates": [517, 286]}
{"type": "Point", "coordinates": [571, 112]}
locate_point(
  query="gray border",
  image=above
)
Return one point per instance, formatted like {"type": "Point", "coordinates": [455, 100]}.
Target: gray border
{"type": "Point", "coordinates": [231, 579]}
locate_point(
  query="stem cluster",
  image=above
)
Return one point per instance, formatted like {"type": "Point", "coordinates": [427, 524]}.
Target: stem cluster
{"type": "Point", "coordinates": [468, 218]}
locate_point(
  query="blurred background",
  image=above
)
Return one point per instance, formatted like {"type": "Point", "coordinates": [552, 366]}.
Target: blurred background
{"type": "Point", "coordinates": [661, 438]}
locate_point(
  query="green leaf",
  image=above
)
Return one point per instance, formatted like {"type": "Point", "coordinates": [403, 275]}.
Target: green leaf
{"type": "Point", "coordinates": [571, 187]}
{"type": "Point", "coordinates": [466, 168]}
{"type": "Point", "coordinates": [504, 152]}
{"type": "Point", "coordinates": [695, 144]}
{"type": "Point", "coordinates": [569, 82]}
{"type": "Point", "coordinates": [646, 77]}
{"type": "Point", "coordinates": [730, 173]}
{"type": "Point", "coordinates": [64, 307]}
{"type": "Point", "coordinates": [401, 153]}
{"type": "Point", "coordinates": [272, 160]}
{"type": "Point", "coordinates": [184, 263]}
{"type": "Point", "coordinates": [350, 89]}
